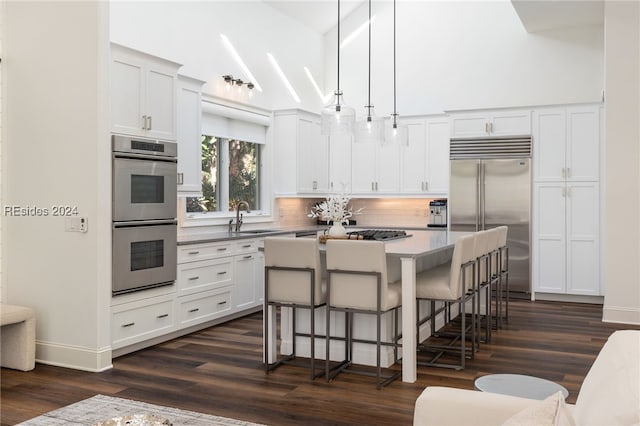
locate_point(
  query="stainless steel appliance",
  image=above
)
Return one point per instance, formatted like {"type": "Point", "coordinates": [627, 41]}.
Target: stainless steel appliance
{"type": "Point", "coordinates": [144, 179]}
{"type": "Point", "coordinates": [490, 186]}
{"type": "Point", "coordinates": [144, 235]}
{"type": "Point", "coordinates": [437, 214]}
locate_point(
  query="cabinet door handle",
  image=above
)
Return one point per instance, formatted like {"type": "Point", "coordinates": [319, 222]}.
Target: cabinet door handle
{"type": "Point", "coordinates": [224, 302]}
{"type": "Point", "coordinates": [426, 185]}
{"type": "Point", "coordinates": [192, 253]}
{"type": "Point", "coordinates": [372, 187]}
{"type": "Point", "coordinates": [193, 310]}
{"type": "Point", "coordinates": [130, 324]}
{"type": "Point", "coordinates": [194, 278]}
{"type": "Point", "coordinates": [162, 316]}
{"type": "Point", "coordinates": [246, 246]}
{"type": "Point", "coordinates": [150, 123]}
{"type": "Point", "coordinates": [250, 256]}
{"type": "Point", "coordinates": [180, 179]}
{"type": "Point", "coordinates": [315, 184]}
{"type": "Point", "coordinates": [222, 272]}
{"type": "Point", "coordinates": [486, 127]}
{"type": "Point", "coordinates": [222, 249]}
{"type": "Point", "coordinates": [491, 127]}
{"type": "Point", "coordinates": [144, 122]}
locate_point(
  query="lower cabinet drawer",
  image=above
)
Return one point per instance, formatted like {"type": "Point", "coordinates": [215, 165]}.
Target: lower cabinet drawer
{"type": "Point", "coordinates": [194, 277]}
{"type": "Point", "coordinates": [205, 306]}
{"type": "Point", "coordinates": [141, 320]}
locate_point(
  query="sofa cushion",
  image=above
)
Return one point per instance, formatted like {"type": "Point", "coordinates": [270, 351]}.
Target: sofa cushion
{"type": "Point", "coordinates": [552, 412]}
{"type": "Point", "coordinates": [610, 393]}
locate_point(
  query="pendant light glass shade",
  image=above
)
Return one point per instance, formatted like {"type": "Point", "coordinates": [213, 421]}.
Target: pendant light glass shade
{"type": "Point", "coordinates": [396, 133]}
{"type": "Point", "coordinates": [370, 129]}
{"type": "Point", "coordinates": [337, 118]}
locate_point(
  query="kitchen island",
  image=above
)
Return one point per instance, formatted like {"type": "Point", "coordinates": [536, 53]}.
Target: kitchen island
{"type": "Point", "coordinates": [420, 250]}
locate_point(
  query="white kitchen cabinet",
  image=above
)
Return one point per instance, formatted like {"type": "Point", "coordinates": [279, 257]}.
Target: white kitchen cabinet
{"type": "Point", "coordinates": [189, 136]}
{"type": "Point", "coordinates": [143, 94]}
{"type": "Point", "coordinates": [205, 306]}
{"type": "Point", "coordinates": [425, 161]}
{"type": "Point", "coordinates": [142, 319]}
{"type": "Point", "coordinates": [375, 168]}
{"type": "Point", "coordinates": [244, 288]}
{"type": "Point", "coordinates": [301, 154]}
{"type": "Point", "coordinates": [312, 155]}
{"type": "Point", "coordinates": [507, 122]}
{"type": "Point", "coordinates": [340, 163]}
{"type": "Point", "coordinates": [566, 252]}
{"type": "Point", "coordinates": [567, 143]}
{"type": "Point", "coordinates": [194, 277]}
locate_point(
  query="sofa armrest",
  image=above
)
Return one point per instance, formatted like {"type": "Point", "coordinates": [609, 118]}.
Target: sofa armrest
{"type": "Point", "coordinates": [450, 406]}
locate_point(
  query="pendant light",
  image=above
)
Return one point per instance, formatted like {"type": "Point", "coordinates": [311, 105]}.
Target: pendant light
{"type": "Point", "coordinates": [337, 118]}
{"type": "Point", "coordinates": [395, 132]}
{"type": "Point", "coordinates": [371, 128]}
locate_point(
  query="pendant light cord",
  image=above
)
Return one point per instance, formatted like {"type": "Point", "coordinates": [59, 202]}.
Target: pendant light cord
{"type": "Point", "coordinates": [369, 87]}
{"type": "Point", "coordinates": [338, 89]}
{"type": "Point", "coordinates": [395, 112]}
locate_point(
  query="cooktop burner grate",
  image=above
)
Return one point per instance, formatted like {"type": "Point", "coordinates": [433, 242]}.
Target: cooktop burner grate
{"type": "Point", "coordinates": [378, 234]}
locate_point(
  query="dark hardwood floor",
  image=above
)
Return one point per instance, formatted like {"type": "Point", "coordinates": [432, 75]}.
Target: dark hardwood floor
{"type": "Point", "coordinates": [218, 371]}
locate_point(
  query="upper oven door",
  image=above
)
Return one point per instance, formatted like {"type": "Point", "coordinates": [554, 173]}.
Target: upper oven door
{"type": "Point", "coordinates": [144, 189]}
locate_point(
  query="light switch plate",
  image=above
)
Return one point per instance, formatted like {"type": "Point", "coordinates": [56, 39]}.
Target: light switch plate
{"type": "Point", "coordinates": [76, 224]}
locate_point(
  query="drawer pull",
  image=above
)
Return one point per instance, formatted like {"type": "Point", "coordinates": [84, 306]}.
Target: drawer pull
{"type": "Point", "coordinates": [194, 278]}
{"type": "Point", "coordinates": [194, 310]}
{"type": "Point", "coordinates": [162, 316]}
{"type": "Point", "coordinates": [194, 252]}
{"type": "Point", "coordinates": [129, 324]}
{"type": "Point", "coordinates": [246, 246]}
{"type": "Point", "coordinates": [224, 302]}
{"type": "Point", "coordinates": [222, 272]}
{"type": "Point", "coordinates": [222, 249]}
{"type": "Point", "coordinates": [250, 256]}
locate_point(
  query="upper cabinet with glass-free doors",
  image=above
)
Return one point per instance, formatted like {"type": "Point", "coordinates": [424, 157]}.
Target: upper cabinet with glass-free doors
{"type": "Point", "coordinates": [143, 94]}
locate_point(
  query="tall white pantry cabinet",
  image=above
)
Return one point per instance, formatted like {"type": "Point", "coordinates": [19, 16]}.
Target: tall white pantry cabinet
{"type": "Point", "coordinates": [566, 200]}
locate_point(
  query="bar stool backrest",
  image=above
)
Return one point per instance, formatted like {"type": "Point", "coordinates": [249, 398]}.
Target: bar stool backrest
{"type": "Point", "coordinates": [481, 250]}
{"type": "Point", "coordinates": [290, 285]}
{"type": "Point", "coordinates": [463, 252]}
{"type": "Point", "coordinates": [492, 248]}
{"type": "Point", "coordinates": [502, 244]}
{"type": "Point", "coordinates": [353, 290]}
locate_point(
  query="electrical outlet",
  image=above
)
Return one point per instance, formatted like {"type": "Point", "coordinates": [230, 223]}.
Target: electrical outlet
{"type": "Point", "coordinates": [76, 224]}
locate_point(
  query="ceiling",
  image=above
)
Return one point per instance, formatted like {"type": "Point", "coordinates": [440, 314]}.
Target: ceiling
{"type": "Point", "coordinates": [319, 15]}
{"type": "Point", "coordinates": [536, 15]}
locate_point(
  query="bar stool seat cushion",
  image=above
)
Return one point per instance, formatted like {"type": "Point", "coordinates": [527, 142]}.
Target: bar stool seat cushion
{"type": "Point", "coordinates": [435, 283]}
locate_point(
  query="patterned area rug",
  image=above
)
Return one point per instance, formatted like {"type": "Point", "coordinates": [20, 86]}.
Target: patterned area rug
{"type": "Point", "coordinates": [102, 410]}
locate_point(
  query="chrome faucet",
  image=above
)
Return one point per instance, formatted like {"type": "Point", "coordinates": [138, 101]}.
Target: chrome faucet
{"type": "Point", "coordinates": [239, 215]}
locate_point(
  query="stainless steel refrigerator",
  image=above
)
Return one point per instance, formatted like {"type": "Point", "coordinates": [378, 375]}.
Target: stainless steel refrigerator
{"type": "Point", "coordinates": [490, 186]}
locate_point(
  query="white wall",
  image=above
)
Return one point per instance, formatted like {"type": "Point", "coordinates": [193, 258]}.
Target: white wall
{"type": "Point", "coordinates": [57, 152]}
{"type": "Point", "coordinates": [622, 175]}
{"type": "Point", "coordinates": [463, 55]}
{"type": "Point", "coordinates": [3, 288]}
{"type": "Point", "coordinates": [188, 32]}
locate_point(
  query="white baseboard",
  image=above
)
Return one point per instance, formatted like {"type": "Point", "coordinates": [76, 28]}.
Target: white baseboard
{"type": "Point", "coordinates": [621, 315]}
{"type": "Point", "coordinates": [79, 358]}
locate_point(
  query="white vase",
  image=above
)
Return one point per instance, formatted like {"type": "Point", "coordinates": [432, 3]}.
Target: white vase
{"type": "Point", "coordinates": [337, 230]}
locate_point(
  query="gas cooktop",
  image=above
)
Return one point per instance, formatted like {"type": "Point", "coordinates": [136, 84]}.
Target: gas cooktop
{"type": "Point", "coordinates": [378, 234]}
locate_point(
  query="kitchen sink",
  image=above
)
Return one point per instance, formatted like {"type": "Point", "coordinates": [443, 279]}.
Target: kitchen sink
{"type": "Point", "coordinates": [255, 231]}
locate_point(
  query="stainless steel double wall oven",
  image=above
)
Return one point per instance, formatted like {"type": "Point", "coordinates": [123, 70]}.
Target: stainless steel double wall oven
{"type": "Point", "coordinates": [144, 213]}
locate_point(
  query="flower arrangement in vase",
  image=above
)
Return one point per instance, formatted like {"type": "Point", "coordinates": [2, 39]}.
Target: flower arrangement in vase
{"type": "Point", "coordinates": [337, 210]}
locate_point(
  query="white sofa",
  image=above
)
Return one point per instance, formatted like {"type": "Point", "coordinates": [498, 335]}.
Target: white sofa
{"type": "Point", "coordinates": [610, 395]}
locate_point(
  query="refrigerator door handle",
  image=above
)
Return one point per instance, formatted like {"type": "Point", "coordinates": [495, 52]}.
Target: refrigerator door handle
{"type": "Point", "coordinates": [478, 193]}
{"type": "Point", "coordinates": [482, 195]}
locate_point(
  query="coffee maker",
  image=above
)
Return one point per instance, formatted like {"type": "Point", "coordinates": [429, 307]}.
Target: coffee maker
{"type": "Point", "coordinates": [437, 214]}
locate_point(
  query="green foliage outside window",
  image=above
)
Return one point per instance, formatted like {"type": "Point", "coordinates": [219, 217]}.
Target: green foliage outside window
{"type": "Point", "coordinates": [243, 179]}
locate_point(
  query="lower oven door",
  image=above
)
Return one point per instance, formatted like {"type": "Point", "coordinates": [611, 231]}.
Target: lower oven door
{"type": "Point", "coordinates": [144, 255]}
